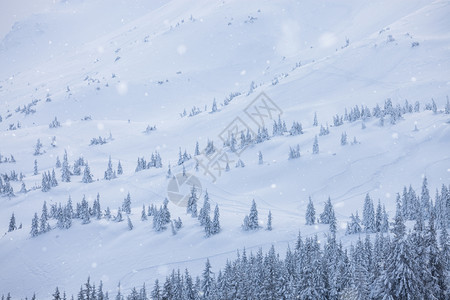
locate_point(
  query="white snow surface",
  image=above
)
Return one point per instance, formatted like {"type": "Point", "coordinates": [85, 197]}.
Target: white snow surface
{"type": "Point", "coordinates": [129, 64]}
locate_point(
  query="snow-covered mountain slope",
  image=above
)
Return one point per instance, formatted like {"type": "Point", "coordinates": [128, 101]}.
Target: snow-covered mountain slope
{"type": "Point", "coordinates": [129, 64]}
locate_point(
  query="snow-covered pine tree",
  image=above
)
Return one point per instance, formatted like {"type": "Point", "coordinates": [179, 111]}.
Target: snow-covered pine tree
{"type": "Point", "coordinates": [252, 219]}
{"type": "Point", "coordinates": [45, 184]}
{"type": "Point", "coordinates": [425, 199]}
{"type": "Point", "coordinates": [44, 219]}
{"type": "Point", "coordinates": [354, 226]}
{"type": "Point", "coordinates": [12, 223]}
{"type": "Point", "coordinates": [130, 225]}
{"type": "Point", "coordinates": [184, 171]}
{"type": "Point", "coordinates": [207, 226]}
{"type": "Point", "coordinates": [315, 122]}
{"type": "Point", "coordinates": [87, 176]}
{"type": "Point", "coordinates": [118, 217]}
{"type": "Point", "coordinates": [214, 106]}
{"type": "Point", "coordinates": [143, 214]}
{"type": "Point", "coordinates": [344, 139]}
{"type": "Point", "coordinates": [378, 217]}
{"type": "Point", "coordinates": [197, 149]}
{"type": "Point", "coordinates": [58, 162]}
{"type": "Point", "coordinates": [315, 149]}
{"type": "Point", "coordinates": [192, 203]}
{"type": "Point", "coordinates": [178, 223]}
{"type": "Point", "coordinates": [53, 181]}
{"type": "Point", "coordinates": [260, 158]}
{"type": "Point", "coordinates": [172, 227]}
{"type": "Point", "coordinates": [294, 152]}
{"type": "Point", "coordinates": [37, 148]}
{"type": "Point", "coordinates": [65, 172]}
{"type": "Point", "coordinates": [368, 220]}
{"type": "Point", "coordinates": [109, 171]}
{"type": "Point", "coordinates": [296, 129]}
{"type": "Point", "coordinates": [207, 282]}
{"type": "Point", "coordinates": [310, 213]}
{"type": "Point", "coordinates": [269, 221]}
{"type": "Point", "coordinates": [35, 172]}
{"type": "Point", "coordinates": [435, 282]}
{"type": "Point", "coordinates": [156, 292]}
{"type": "Point", "coordinates": [240, 164]}
{"type": "Point", "coordinates": [119, 169]}
{"type": "Point", "coordinates": [210, 149]}
{"type": "Point", "coordinates": [85, 215]}
{"type": "Point", "coordinates": [205, 210]}
{"type": "Point", "coordinates": [328, 211]}
{"type": "Point", "coordinates": [126, 204]}
{"type": "Point", "coordinates": [23, 188]}
{"type": "Point", "coordinates": [447, 107]}
{"type": "Point", "coordinates": [400, 278]}
{"type": "Point", "coordinates": [35, 226]}
{"type": "Point", "coordinates": [107, 213]}
{"type": "Point", "coordinates": [215, 226]}
{"type": "Point", "coordinates": [169, 172]}
{"type": "Point", "coordinates": [165, 214]}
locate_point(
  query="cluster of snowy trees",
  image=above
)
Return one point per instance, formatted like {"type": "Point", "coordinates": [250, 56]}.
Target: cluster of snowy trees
{"type": "Point", "coordinates": [99, 141]}
{"type": "Point", "coordinates": [48, 181]}
{"type": "Point", "coordinates": [406, 265]}
{"type": "Point", "coordinates": [110, 173]}
{"type": "Point", "coordinates": [161, 216]}
{"type": "Point", "coordinates": [251, 220]}
{"type": "Point", "coordinates": [29, 108]}
{"type": "Point", "coordinates": [6, 189]}
{"type": "Point", "coordinates": [211, 227]}
{"type": "Point", "coordinates": [149, 129]}
{"type": "Point", "coordinates": [64, 214]}
{"type": "Point", "coordinates": [155, 162]}
{"type": "Point", "coordinates": [54, 124]}
{"type": "Point", "coordinates": [422, 207]}
{"type": "Point", "coordinates": [6, 159]}
{"type": "Point", "coordinates": [388, 111]}
{"type": "Point", "coordinates": [12, 224]}
{"type": "Point", "coordinates": [183, 157]}
{"type": "Point", "coordinates": [294, 152]}
{"type": "Point", "coordinates": [38, 148]}
{"type": "Point", "coordinates": [373, 220]}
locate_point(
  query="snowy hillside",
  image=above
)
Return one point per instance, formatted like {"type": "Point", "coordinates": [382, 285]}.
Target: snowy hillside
{"type": "Point", "coordinates": [358, 90]}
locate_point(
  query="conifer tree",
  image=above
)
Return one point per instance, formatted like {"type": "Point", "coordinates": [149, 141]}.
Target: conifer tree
{"type": "Point", "coordinates": [251, 220]}
{"type": "Point", "coordinates": [87, 176]}
{"type": "Point", "coordinates": [269, 221]}
{"type": "Point", "coordinates": [130, 225]}
{"type": "Point", "coordinates": [126, 205]}
{"type": "Point", "coordinates": [143, 214]}
{"type": "Point", "coordinates": [328, 211]}
{"type": "Point", "coordinates": [192, 203]}
{"type": "Point", "coordinates": [310, 213]}
{"type": "Point", "coordinates": [197, 149]}
{"type": "Point", "coordinates": [35, 167]}
{"type": "Point", "coordinates": [215, 227]}
{"type": "Point", "coordinates": [315, 149]}
{"type": "Point", "coordinates": [260, 158]}
{"type": "Point", "coordinates": [205, 210]}
{"type": "Point", "coordinates": [119, 169]}
{"type": "Point", "coordinates": [315, 122]}
{"type": "Point", "coordinates": [425, 199]}
{"type": "Point", "coordinates": [207, 280]}
{"type": "Point", "coordinates": [34, 226]}
{"type": "Point", "coordinates": [12, 223]}
{"type": "Point", "coordinates": [65, 177]}
{"type": "Point", "coordinates": [344, 139]}
{"type": "Point", "coordinates": [38, 147]}
{"type": "Point", "coordinates": [368, 220]}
